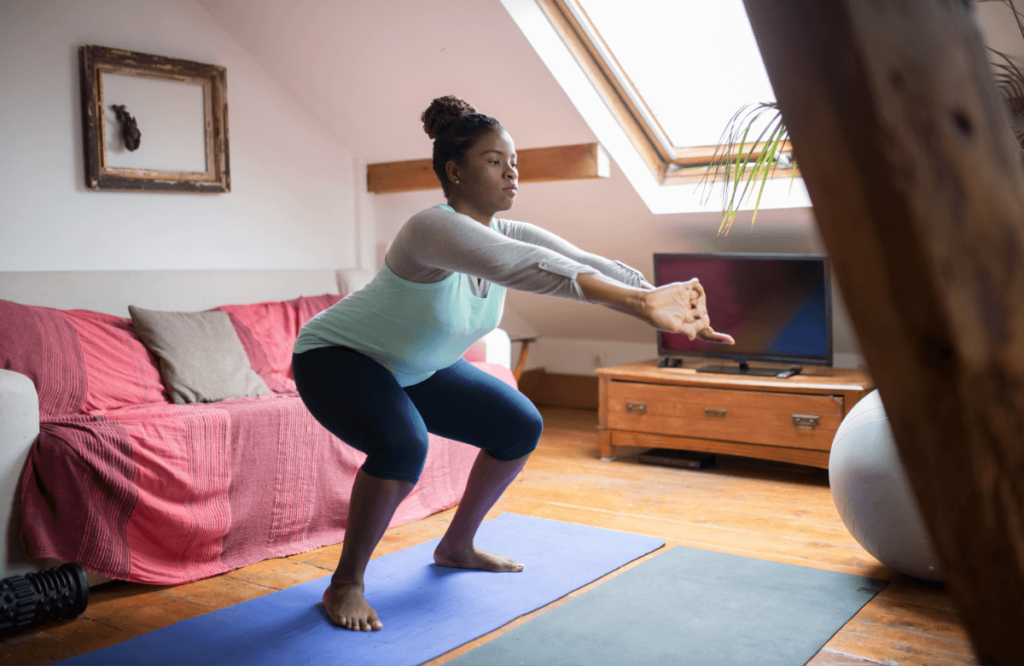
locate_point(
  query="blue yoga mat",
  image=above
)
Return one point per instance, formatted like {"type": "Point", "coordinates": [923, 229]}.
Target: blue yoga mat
{"type": "Point", "coordinates": [426, 610]}
{"type": "Point", "coordinates": [689, 606]}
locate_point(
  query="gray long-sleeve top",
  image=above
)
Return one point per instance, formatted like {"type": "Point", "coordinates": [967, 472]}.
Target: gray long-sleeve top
{"type": "Point", "coordinates": [439, 241]}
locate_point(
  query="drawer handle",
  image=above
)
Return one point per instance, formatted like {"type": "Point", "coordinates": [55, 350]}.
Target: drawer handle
{"type": "Point", "coordinates": [714, 413]}
{"type": "Point", "coordinates": [636, 407]}
{"type": "Point", "coordinates": [805, 422]}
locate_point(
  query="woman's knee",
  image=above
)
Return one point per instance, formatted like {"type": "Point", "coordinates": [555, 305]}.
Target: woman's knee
{"type": "Point", "coordinates": [522, 440]}
{"type": "Point", "coordinates": [534, 427]}
{"type": "Point", "coordinates": [397, 457]}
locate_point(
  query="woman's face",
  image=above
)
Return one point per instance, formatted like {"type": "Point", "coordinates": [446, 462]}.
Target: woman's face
{"type": "Point", "coordinates": [489, 179]}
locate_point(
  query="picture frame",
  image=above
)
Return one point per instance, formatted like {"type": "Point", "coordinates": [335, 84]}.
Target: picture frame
{"type": "Point", "coordinates": [180, 110]}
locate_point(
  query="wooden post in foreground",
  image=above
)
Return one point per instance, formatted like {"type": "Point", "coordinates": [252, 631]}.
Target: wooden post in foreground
{"type": "Point", "coordinates": [919, 196]}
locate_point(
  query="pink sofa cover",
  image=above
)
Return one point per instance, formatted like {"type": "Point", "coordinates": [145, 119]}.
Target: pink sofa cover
{"type": "Point", "coordinates": [133, 487]}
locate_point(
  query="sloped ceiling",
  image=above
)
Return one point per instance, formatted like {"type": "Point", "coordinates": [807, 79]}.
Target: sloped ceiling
{"type": "Point", "coordinates": [367, 69]}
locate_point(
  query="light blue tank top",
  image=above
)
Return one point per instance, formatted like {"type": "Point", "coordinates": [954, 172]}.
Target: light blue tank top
{"type": "Point", "coordinates": [412, 329]}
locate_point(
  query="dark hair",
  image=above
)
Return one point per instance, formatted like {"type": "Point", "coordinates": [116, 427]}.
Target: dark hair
{"type": "Point", "coordinates": [454, 125]}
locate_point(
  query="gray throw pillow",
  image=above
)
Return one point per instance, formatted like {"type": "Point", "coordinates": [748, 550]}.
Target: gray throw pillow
{"type": "Point", "coordinates": [201, 357]}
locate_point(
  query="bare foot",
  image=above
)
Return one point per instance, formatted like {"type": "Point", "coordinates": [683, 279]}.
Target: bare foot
{"type": "Point", "coordinates": [474, 558]}
{"type": "Point", "coordinates": [347, 607]}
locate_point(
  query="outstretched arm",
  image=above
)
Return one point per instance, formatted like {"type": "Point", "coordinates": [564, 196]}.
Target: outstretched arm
{"type": "Point", "coordinates": [435, 242]}
{"type": "Point", "coordinates": [530, 233]}
{"type": "Point", "coordinates": [679, 307]}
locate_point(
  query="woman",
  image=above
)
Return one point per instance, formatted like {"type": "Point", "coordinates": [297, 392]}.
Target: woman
{"type": "Point", "coordinates": [383, 367]}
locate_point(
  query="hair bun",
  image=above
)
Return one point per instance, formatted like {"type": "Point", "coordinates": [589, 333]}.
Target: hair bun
{"type": "Point", "coordinates": [442, 112]}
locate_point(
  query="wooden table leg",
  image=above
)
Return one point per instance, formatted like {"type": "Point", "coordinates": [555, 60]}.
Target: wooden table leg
{"type": "Point", "coordinates": [518, 372]}
{"type": "Point", "coordinates": [604, 438]}
{"type": "Point", "coordinates": [604, 435]}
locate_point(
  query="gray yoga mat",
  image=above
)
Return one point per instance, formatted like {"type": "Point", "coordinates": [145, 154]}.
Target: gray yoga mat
{"type": "Point", "coordinates": [689, 606]}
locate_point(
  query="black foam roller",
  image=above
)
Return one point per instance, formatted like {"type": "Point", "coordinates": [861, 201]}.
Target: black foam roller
{"type": "Point", "coordinates": [37, 598]}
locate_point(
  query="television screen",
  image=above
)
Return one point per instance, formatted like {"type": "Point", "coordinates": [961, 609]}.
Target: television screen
{"type": "Point", "coordinates": [777, 307]}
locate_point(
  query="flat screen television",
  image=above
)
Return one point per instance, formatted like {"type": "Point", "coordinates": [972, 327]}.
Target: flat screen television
{"type": "Point", "coordinates": [778, 308]}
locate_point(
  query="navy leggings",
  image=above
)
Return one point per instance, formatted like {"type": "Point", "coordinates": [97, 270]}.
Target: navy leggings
{"type": "Point", "coordinates": [360, 401]}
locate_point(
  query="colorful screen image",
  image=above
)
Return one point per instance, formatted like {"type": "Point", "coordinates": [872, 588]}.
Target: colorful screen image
{"type": "Point", "coordinates": [777, 307]}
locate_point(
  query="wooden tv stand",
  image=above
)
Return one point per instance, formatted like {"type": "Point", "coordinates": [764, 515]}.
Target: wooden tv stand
{"type": "Point", "coordinates": [791, 420]}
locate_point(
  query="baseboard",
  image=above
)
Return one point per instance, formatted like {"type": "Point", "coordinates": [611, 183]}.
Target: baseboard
{"type": "Point", "coordinates": [557, 390]}
{"type": "Point", "coordinates": [530, 380]}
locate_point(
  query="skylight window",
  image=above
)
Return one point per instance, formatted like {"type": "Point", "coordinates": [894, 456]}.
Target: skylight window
{"type": "Point", "coordinates": [658, 81]}
{"type": "Point", "coordinates": [694, 63]}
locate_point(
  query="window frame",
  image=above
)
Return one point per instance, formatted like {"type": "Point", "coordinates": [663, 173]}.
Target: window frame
{"type": "Point", "coordinates": [668, 164]}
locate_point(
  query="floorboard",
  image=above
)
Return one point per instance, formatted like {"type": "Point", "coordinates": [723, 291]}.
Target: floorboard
{"type": "Point", "coordinates": [768, 510]}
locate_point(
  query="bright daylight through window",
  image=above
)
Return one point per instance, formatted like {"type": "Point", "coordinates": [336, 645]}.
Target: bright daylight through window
{"type": "Point", "coordinates": [694, 63]}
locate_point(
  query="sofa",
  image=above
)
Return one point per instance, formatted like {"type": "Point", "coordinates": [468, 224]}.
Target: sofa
{"type": "Point", "coordinates": [100, 467]}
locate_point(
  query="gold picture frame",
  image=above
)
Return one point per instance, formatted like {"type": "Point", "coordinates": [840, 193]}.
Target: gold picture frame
{"type": "Point", "coordinates": [183, 122]}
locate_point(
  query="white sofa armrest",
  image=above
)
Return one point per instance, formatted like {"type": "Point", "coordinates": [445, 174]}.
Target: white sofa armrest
{"type": "Point", "coordinates": [352, 279]}
{"type": "Point", "coordinates": [19, 428]}
{"type": "Point", "coordinates": [498, 348]}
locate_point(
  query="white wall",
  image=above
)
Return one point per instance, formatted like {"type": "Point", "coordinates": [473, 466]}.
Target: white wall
{"type": "Point", "coordinates": [315, 77]}
{"type": "Point", "coordinates": [297, 196]}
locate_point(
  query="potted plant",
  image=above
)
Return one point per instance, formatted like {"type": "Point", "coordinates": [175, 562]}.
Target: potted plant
{"type": "Point", "coordinates": [744, 161]}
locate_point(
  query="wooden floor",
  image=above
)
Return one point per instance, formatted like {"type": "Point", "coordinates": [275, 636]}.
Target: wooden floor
{"type": "Point", "coordinates": [757, 509]}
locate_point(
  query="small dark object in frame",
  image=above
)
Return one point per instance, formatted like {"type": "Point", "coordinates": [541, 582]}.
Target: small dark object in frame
{"type": "Point", "coordinates": [28, 601]}
{"type": "Point", "coordinates": [677, 458]}
{"type": "Point", "coordinates": [129, 128]}
{"type": "Point", "coordinates": [95, 62]}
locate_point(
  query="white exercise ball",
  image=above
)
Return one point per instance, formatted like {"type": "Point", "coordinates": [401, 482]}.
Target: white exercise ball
{"type": "Point", "coordinates": [873, 495]}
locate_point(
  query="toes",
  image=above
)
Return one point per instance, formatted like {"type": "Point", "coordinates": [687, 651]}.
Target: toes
{"type": "Point", "coordinates": [351, 623]}
{"type": "Point", "coordinates": [479, 560]}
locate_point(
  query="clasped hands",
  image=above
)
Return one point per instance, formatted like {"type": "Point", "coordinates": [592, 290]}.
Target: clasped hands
{"type": "Point", "coordinates": [681, 307]}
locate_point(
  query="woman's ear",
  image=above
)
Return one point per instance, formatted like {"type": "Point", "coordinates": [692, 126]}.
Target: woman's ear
{"type": "Point", "coordinates": [452, 170]}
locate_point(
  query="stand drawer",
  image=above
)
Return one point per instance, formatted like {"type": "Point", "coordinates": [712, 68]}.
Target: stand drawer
{"type": "Point", "coordinates": [756, 417]}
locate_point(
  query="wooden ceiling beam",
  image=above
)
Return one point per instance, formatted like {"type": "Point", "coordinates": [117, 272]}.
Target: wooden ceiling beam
{"type": "Point", "coordinates": [585, 160]}
{"type": "Point", "coordinates": [918, 193]}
